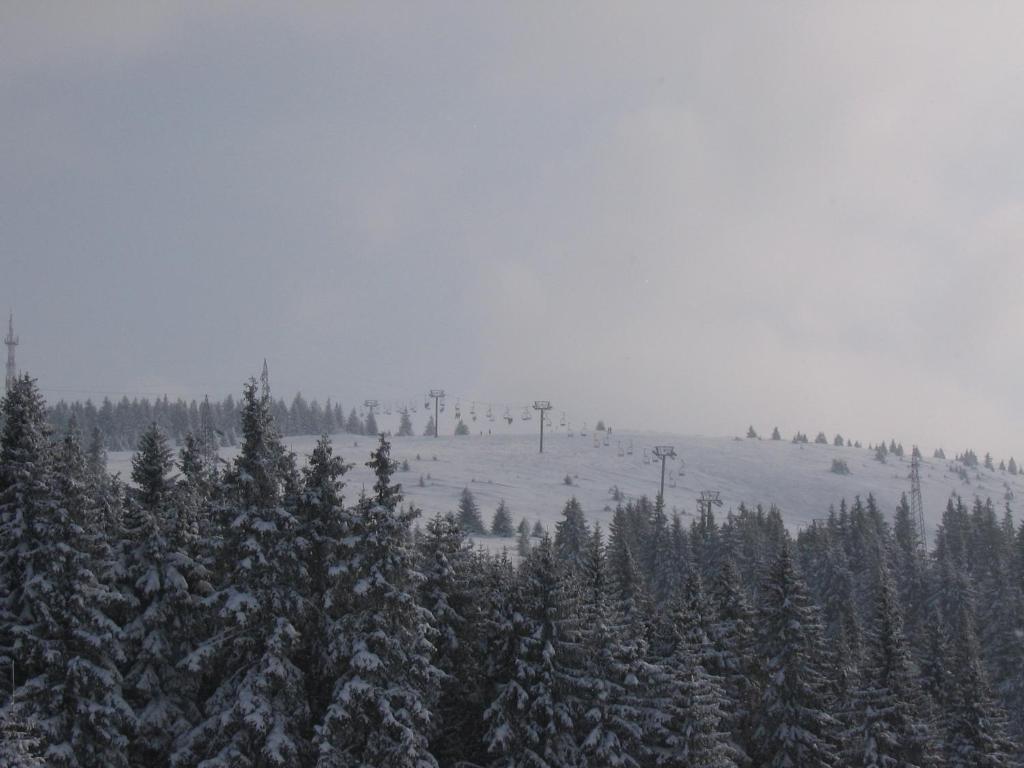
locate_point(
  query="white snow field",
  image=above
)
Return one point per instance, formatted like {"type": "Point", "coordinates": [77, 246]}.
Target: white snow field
{"type": "Point", "coordinates": [794, 477]}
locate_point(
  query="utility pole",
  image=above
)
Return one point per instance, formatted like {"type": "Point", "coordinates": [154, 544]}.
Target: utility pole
{"type": "Point", "coordinates": [664, 452]}
{"type": "Point", "coordinates": [437, 394]}
{"type": "Point", "coordinates": [542, 406]}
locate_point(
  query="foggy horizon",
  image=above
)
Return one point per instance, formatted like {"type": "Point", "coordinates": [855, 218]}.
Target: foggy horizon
{"type": "Point", "coordinates": [685, 220]}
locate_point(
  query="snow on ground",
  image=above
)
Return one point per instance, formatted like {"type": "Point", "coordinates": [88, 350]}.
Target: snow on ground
{"type": "Point", "coordinates": [796, 478]}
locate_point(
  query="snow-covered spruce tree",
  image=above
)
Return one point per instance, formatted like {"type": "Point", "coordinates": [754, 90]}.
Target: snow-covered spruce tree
{"type": "Point", "coordinates": [691, 725]}
{"type": "Point", "coordinates": [26, 494]}
{"type": "Point", "coordinates": [835, 591]}
{"type": "Point", "coordinates": [733, 661]}
{"type": "Point", "coordinates": [380, 649]}
{"type": "Point", "coordinates": [322, 525]}
{"type": "Point", "coordinates": [20, 744]}
{"type": "Point", "coordinates": [532, 720]}
{"type": "Point", "coordinates": [501, 524]}
{"type": "Point", "coordinates": [793, 724]}
{"type": "Point", "coordinates": [523, 543]}
{"type": "Point", "coordinates": [257, 713]}
{"type": "Point", "coordinates": [628, 590]}
{"type": "Point", "coordinates": [428, 430]}
{"type": "Point", "coordinates": [67, 649]}
{"type": "Point", "coordinates": [890, 728]}
{"type": "Point", "coordinates": [354, 426]}
{"type": "Point", "coordinates": [165, 580]}
{"type": "Point", "coordinates": [973, 724]}
{"type": "Point", "coordinates": [452, 593]}
{"type": "Point", "coordinates": [405, 425]}
{"type": "Point", "coordinates": [370, 425]}
{"type": "Point", "coordinates": [613, 728]}
{"type": "Point", "coordinates": [909, 571]}
{"type": "Point", "coordinates": [469, 513]}
{"type": "Point", "coordinates": [572, 536]}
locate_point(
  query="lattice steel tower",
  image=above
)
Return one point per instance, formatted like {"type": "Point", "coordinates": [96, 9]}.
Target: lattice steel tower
{"type": "Point", "coordinates": [916, 503]}
{"type": "Point", "coordinates": [11, 341]}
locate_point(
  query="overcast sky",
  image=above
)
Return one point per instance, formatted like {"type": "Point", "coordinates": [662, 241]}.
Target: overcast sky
{"type": "Point", "coordinates": [688, 217]}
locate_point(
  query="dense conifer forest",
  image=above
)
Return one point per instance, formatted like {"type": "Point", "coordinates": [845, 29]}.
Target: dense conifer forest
{"type": "Point", "coordinates": [119, 425]}
{"type": "Point", "coordinates": [254, 613]}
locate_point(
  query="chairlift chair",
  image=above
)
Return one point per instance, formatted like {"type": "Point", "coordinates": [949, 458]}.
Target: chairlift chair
{"type": "Point", "coordinates": [562, 422]}
{"type": "Point", "coordinates": [526, 414]}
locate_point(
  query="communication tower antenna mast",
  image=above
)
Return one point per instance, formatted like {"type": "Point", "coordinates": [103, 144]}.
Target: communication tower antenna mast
{"type": "Point", "coordinates": [11, 341]}
{"type": "Point", "coordinates": [542, 406]}
{"type": "Point", "coordinates": [437, 394]}
{"type": "Point", "coordinates": [916, 502]}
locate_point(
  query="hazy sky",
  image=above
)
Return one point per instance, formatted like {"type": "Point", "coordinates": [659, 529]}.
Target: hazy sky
{"type": "Point", "coordinates": [688, 216]}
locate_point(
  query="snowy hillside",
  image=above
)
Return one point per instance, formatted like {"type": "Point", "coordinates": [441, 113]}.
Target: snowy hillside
{"type": "Point", "coordinates": [796, 478]}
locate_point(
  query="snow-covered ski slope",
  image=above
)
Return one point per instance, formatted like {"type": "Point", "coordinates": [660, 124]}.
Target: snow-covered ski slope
{"type": "Point", "coordinates": [794, 477]}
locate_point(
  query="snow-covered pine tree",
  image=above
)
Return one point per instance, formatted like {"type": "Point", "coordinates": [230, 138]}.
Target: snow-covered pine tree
{"type": "Point", "coordinates": [626, 583]}
{"type": "Point", "coordinates": [732, 660]}
{"type": "Point", "coordinates": [793, 724]}
{"type": "Point", "coordinates": [26, 495]}
{"type": "Point", "coordinates": [469, 514]}
{"type": "Point", "coordinates": [614, 724]}
{"type": "Point", "coordinates": [370, 425]}
{"type": "Point", "coordinates": [20, 744]}
{"type": "Point", "coordinates": [380, 649]}
{"type": "Point", "coordinates": [501, 524]}
{"type": "Point", "coordinates": [257, 712]}
{"type": "Point", "coordinates": [164, 579]}
{"type": "Point", "coordinates": [890, 729]}
{"type": "Point", "coordinates": [532, 720]}
{"type": "Point", "coordinates": [691, 726]}
{"type": "Point", "coordinates": [405, 425]}
{"type": "Point", "coordinates": [451, 592]}
{"type": "Point", "coordinates": [523, 543]}
{"type": "Point", "coordinates": [572, 536]}
{"type": "Point", "coordinates": [323, 523]}
{"type": "Point", "coordinates": [973, 724]}
{"type": "Point", "coordinates": [428, 430]}
{"type": "Point", "coordinates": [67, 649]}
{"type": "Point", "coordinates": [354, 426]}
